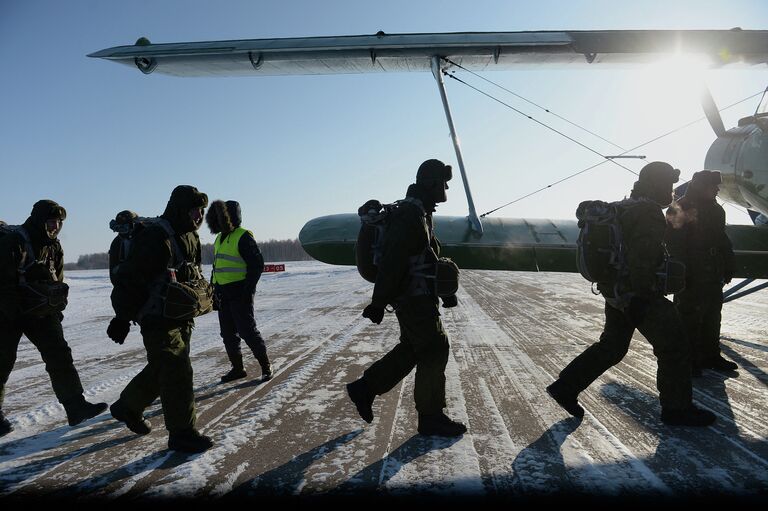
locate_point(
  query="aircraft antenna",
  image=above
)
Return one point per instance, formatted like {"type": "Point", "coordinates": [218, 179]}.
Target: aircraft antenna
{"type": "Point", "coordinates": [757, 110]}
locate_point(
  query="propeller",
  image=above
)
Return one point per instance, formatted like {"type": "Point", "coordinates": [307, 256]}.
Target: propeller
{"type": "Point", "coordinates": [711, 111]}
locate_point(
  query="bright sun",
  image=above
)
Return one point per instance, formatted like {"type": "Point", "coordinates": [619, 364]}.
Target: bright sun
{"type": "Point", "coordinates": [672, 82]}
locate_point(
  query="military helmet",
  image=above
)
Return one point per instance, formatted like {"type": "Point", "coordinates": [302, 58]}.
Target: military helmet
{"type": "Point", "coordinates": [659, 173]}
{"type": "Point", "coordinates": [126, 217]}
{"type": "Point", "coordinates": [433, 170]}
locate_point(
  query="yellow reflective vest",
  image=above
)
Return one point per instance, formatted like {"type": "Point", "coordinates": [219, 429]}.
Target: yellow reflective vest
{"type": "Point", "coordinates": [228, 266]}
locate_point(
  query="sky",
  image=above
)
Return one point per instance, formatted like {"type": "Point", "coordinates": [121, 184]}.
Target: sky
{"type": "Point", "coordinates": [99, 138]}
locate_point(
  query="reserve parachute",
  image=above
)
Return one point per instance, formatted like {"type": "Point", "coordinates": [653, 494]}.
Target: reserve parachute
{"type": "Point", "coordinates": [37, 299]}
{"type": "Point", "coordinates": [168, 297]}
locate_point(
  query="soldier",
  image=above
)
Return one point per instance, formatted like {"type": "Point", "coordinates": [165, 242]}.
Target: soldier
{"type": "Point", "coordinates": [642, 226]}
{"type": "Point", "coordinates": [32, 296]}
{"type": "Point", "coordinates": [164, 252]}
{"type": "Point", "coordinates": [702, 244]}
{"type": "Point", "coordinates": [124, 225]}
{"type": "Point", "coordinates": [237, 267]}
{"type": "Point", "coordinates": [409, 240]}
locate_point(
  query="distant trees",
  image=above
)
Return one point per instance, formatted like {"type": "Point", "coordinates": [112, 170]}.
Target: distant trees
{"type": "Point", "coordinates": [89, 262]}
{"type": "Point", "coordinates": [273, 251]}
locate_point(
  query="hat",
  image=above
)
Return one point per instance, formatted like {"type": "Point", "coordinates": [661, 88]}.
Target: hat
{"type": "Point", "coordinates": [434, 170]}
{"type": "Point", "coordinates": [125, 217]}
{"type": "Point", "coordinates": [659, 172]}
{"type": "Point", "coordinates": [706, 177]}
{"type": "Point", "coordinates": [46, 209]}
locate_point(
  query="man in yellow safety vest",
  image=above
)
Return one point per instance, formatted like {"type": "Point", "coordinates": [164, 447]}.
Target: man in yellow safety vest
{"type": "Point", "coordinates": [237, 266]}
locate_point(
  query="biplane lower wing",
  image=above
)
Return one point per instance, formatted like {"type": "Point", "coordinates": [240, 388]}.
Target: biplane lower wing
{"type": "Point", "coordinates": [509, 243]}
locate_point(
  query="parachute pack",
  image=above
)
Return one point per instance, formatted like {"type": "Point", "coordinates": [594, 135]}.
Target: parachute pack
{"type": "Point", "coordinates": [601, 254]}
{"type": "Point", "coordinates": [600, 248]}
{"type": "Point", "coordinates": [168, 297]}
{"type": "Point", "coordinates": [37, 299]}
{"type": "Point", "coordinates": [430, 274]}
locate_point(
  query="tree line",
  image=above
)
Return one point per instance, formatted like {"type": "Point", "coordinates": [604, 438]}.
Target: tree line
{"type": "Point", "coordinates": [272, 250]}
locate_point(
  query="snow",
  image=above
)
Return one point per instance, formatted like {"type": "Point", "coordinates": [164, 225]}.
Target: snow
{"type": "Point", "coordinates": [298, 434]}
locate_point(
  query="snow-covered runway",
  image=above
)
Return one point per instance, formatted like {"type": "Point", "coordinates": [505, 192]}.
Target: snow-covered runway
{"type": "Point", "coordinates": [298, 433]}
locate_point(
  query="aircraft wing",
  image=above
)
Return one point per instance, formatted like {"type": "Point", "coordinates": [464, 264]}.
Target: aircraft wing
{"type": "Point", "coordinates": [478, 51]}
{"type": "Point", "coordinates": [515, 244]}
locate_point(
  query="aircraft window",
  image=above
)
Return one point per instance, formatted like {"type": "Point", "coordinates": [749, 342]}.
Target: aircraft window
{"type": "Point", "coordinates": [755, 152]}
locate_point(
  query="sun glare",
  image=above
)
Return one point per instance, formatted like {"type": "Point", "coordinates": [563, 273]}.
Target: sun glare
{"type": "Point", "coordinates": [673, 85]}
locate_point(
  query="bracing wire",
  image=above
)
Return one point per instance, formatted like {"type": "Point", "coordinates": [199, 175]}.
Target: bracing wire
{"type": "Point", "coordinates": [490, 96]}
{"type": "Point", "coordinates": [547, 110]}
{"type": "Point", "coordinates": [625, 152]}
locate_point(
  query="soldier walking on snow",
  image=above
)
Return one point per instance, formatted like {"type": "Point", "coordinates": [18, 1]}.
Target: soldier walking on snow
{"type": "Point", "coordinates": [640, 305]}
{"type": "Point", "coordinates": [701, 243]}
{"type": "Point", "coordinates": [160, 286]}
{"type": "Point", "coordinates": [408, 248]}
{"type": "Point", "coordinates": [32, 297]}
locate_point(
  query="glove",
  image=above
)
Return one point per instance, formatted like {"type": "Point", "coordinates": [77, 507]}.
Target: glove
{"type": "Point", "coordinates": [374, 313]}
{"type": "Point", "coordinates": [118, 330]}
{"type": "Point", "coordinates": [450, 301]}
{"type": "Point", "coordinates": [249, 291]}
{"type": "Point", "coordinates": [638, 309]}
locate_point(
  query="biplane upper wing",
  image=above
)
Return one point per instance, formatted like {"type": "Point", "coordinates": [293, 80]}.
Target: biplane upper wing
{"type": "Point", "coordinates": [478, 51]}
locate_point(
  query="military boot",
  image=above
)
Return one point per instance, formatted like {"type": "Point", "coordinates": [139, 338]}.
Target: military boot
{"type": "Point", "coordinates": [79, 410]}
{"type": "Point", "coordinates": [5, 425]}
{"type": "Point", "coordinates": [188, 440]}
{"type": "Point", "coordinates": [237, 371]}
{"type": "Point", "coordinates": [362, 396]}
{"type": "Point", "coordinates": [719, 364]}
{"type": "Point", "coordinates": [266, 368]}
{"type": "Point", "coordinates": [566, 398]}
{"type": "Point", "coordinates": [690, 416]}
{"type": "Point", "coordinates": [134, 421]}
{"type": "Point", "coordinates": [439, 424]}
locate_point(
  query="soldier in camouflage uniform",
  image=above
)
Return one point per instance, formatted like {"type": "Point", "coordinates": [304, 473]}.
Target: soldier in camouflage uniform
{"type": "Point", "coordinates": [642, 226]}
{"type": "Point", "coordinates": [701, 243]}
{"type": "Point", "coordinates": [168, 373]}
{"type": "Point", "coordinates": [423, 342]}
{"type": "Point", "coordinates": [39, 263]}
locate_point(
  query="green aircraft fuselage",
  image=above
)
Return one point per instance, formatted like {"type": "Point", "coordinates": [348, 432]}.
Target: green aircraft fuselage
{"type": "Point", "coordinates": [509, 243]}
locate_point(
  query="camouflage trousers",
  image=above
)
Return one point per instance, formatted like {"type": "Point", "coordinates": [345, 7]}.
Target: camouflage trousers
{"type": "Point", "coordinates": [662, 327]}
{"type": "Point", "coordinates": [168, 374]}
{"type": "Point", "coordinates": [48, 337]}
{"type": "Point", "coordinates": [423, 345]}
